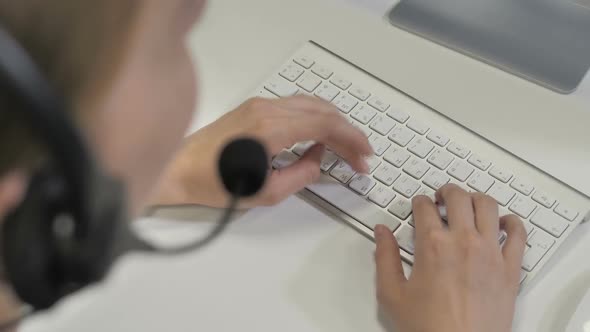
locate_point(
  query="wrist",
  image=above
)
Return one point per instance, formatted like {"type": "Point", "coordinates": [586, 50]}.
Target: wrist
{"type": "Point", "coordinates": [171, 188]}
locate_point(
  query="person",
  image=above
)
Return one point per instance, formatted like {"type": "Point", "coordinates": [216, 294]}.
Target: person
{"type": "Point", "coordinates": [126, 74]}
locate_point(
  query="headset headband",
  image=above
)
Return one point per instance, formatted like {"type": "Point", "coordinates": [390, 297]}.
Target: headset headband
{"type": "Point", "coordinates": [21, 79]}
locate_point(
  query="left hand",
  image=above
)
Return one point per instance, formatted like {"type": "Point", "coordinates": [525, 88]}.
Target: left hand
{"type": "Point", "coordinates": [277, 123]}
{"type": "Point", "coordinates": [462, 279]}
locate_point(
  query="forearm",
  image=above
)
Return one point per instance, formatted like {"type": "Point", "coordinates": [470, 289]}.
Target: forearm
{"type": "Point", "coordinates": [186, 182]}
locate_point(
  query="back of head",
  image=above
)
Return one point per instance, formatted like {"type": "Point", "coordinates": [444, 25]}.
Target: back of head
{"type": "Point", "coordinates": [76, 44]}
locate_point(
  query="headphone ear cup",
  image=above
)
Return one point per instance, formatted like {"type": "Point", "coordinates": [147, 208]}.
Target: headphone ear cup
{"type": "Point", "coordinates": [43, 267]}
{"type": "Point", "coordinates": [30, 255]}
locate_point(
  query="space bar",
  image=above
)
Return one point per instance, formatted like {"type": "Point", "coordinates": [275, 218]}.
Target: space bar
{"type": "Point", "coordinates": [352, 204]}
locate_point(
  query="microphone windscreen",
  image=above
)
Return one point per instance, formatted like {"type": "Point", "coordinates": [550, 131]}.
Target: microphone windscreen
{"type": "Point", "coordinates": [243, 167]}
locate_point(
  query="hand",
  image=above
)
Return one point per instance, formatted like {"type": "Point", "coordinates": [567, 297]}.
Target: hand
{"type": "Point", "coordinates": [278, 123]}
{"type": "Point", "coordinates": [462, 280]}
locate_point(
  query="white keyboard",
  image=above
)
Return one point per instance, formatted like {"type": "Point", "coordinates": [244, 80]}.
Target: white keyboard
{"type": "Point", "coordinates": [417, 151]}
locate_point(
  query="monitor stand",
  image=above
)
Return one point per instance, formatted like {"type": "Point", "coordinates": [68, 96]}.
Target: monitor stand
{"type": "Point", "coordinates": [544, 41]}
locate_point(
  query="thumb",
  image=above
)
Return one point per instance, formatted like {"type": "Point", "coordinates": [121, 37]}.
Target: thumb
{"type": "Point", "coordinates": [390, 273]}
{"type": "Point", "coordinates": [292, 179]}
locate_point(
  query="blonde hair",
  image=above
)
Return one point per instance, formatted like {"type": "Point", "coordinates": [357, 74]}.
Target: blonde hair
{"type": "Point", "coordinates": [75, 43]}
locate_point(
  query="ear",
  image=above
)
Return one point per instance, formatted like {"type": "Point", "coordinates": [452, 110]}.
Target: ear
{"type": "Point", "coordinates": [13, 186]}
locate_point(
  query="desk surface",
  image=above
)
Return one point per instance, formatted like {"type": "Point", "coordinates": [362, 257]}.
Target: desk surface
{"type": "Point", "coordinates": [288, 268]}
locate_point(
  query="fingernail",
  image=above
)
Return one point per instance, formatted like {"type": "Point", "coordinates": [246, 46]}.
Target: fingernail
{"type": "Point", "coordinates": [365, 167]}
{"type": "Point", "coordinates": [380, 231]}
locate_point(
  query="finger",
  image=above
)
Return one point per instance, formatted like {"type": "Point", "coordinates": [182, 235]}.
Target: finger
{"type": "Point", "coordinates": [306, 103]}
{"type": "Point", "coordinates": [426, 218]}
{"type": "Point", "coordinates": [515, 243]}
{"type": "Point", "coordinates": [292, 179]}
{"type": "Point", "coordinates": [344, 139]}
{"type": "Point", "coordinates": [390, 273]}
{"type": "Point", "coordinates": [460, 215]}
{"type": "Point", "coordinates": [303, 118]}
{"type": "Point", "coordinates": [487, 220]}
{"type": "Point", "coordinates": [333, 130]}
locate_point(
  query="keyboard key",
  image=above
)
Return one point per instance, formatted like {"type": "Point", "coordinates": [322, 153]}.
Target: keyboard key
{"type": "Point", "coordinates": [438, 138]}
{"type": "Point", "coordinates": [300, 148]}
{"type": "Point", "coordinates": [352, 204]}
{"type": "Point", "coordinates": [280, 87]}
{"type": "Point", "coordinates": [479, 162]}
{"type": "Point", "coordinates": [382, 124]}
{"type": "Point", "coordinates": [401, 136]}
{"type": "Point", "coordinates": [379, 144]}
{"type": "Point", "coordinates": [550, 222]}
{"type": "Point", "coordinates": [458, 150]}
{"type": "Point", "coordinates": [406, 186]}
{"type": "Point", "coordinates": [363, 114]}
{"type": "Point", "coordinates": [544, 199]}
{"type": "Point", "coordinates": [528, 227]}
{"type": "Point", "coordinates": [397, 115]}
{"type": "Point", "coordinates": [373, 163]}
{"type": "Point", "coordinates": [502, 237]}
{"type": "Point", "coordinates": [542, 240]}
{"type": "Point", "coordinates": [401, 208]}
{"type": "Point", "coordinates": [340, 82]}
{"type": "Point", "coordinates": [441, 159]}
{"type": "Point", "coordinates": [342, 172]}
{"type": "Point", "coordinates": [362, 184]}
{"type": "Point", "coordinates": [291, 72]}
{"type": "Point", "coordinates": [381, 195]}
{"type": "Point", "coordinates": [480, 182]}
{"type": "Point", "coordinates": [421, 147]}
{"type": "Point", "coordinates": [522, 186]}
{"type": "Point", "coordinates": [284, 159]}
{"type": "Point", "coordinates": [426, 191]}
{"type": "Point", "coordinates": [418, 127]}
{"type": "Point", "coordinates": [523, 207]}
{"type": "Point", "coordinates": [304, 61]}
{"type": "Point", "coordinates": [460, 171]}
{"type": "Point", "coordinates": [531, 258]}
{"type": "Point", "coordinates": [540, 243]}
{"type": "Point", "coordinates": [387, 174]}
{"type": "Point", "coordinates": [501, 194]}
{"type": "Point", "coordinates": [502, 211]}
{"type": "Point", "coordinates": [406, 237]}
{"type": "Point", "coordinates": [305, 93]}
{"type": "Point", "coordinates": [396, 156]}
{"type": "Point", "coordinates": [345, 103]}
{"type": "Point", "coordinates": [501, 174]}
{"type": "Point", "coordinates": [416, 168]}
{"type": "Point", "coordinates": [322, 71]}
{"type": "Point", "coordinates": [264, 93]}
{"type": "Point", "coordinates": [368, 132]}
{"type": "Point", "coordinates": [359, 93]}
{"type": "Point", "coordinates": [378, 104]}
{"type": "Point", "coordinates": [328, 160]}
{"type": "Point", "coordinates": [435, 179]}
{"type": "Point", "coordinates": [327, 92]}
{"type": "Point", "coordinates": [566, 212]}
{"type": "Point", "coordinates": [309, 82]}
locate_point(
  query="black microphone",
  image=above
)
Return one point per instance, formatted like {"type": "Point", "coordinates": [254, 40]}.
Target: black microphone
{"type": "Point", "coordinates": [242, 167]}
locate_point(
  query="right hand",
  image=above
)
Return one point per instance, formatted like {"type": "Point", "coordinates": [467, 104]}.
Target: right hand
{"type": "Point", "coordinates": [277, 123]}
{"type": "Point", "coordinates": [462, 280]}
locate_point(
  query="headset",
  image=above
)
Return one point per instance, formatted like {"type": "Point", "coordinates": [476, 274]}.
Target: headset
{"type": "Point", "coordinates": [72, 223]}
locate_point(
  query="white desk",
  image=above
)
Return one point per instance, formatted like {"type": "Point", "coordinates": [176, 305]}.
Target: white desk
{"type": "Point", "coordinates": [289, 268]}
